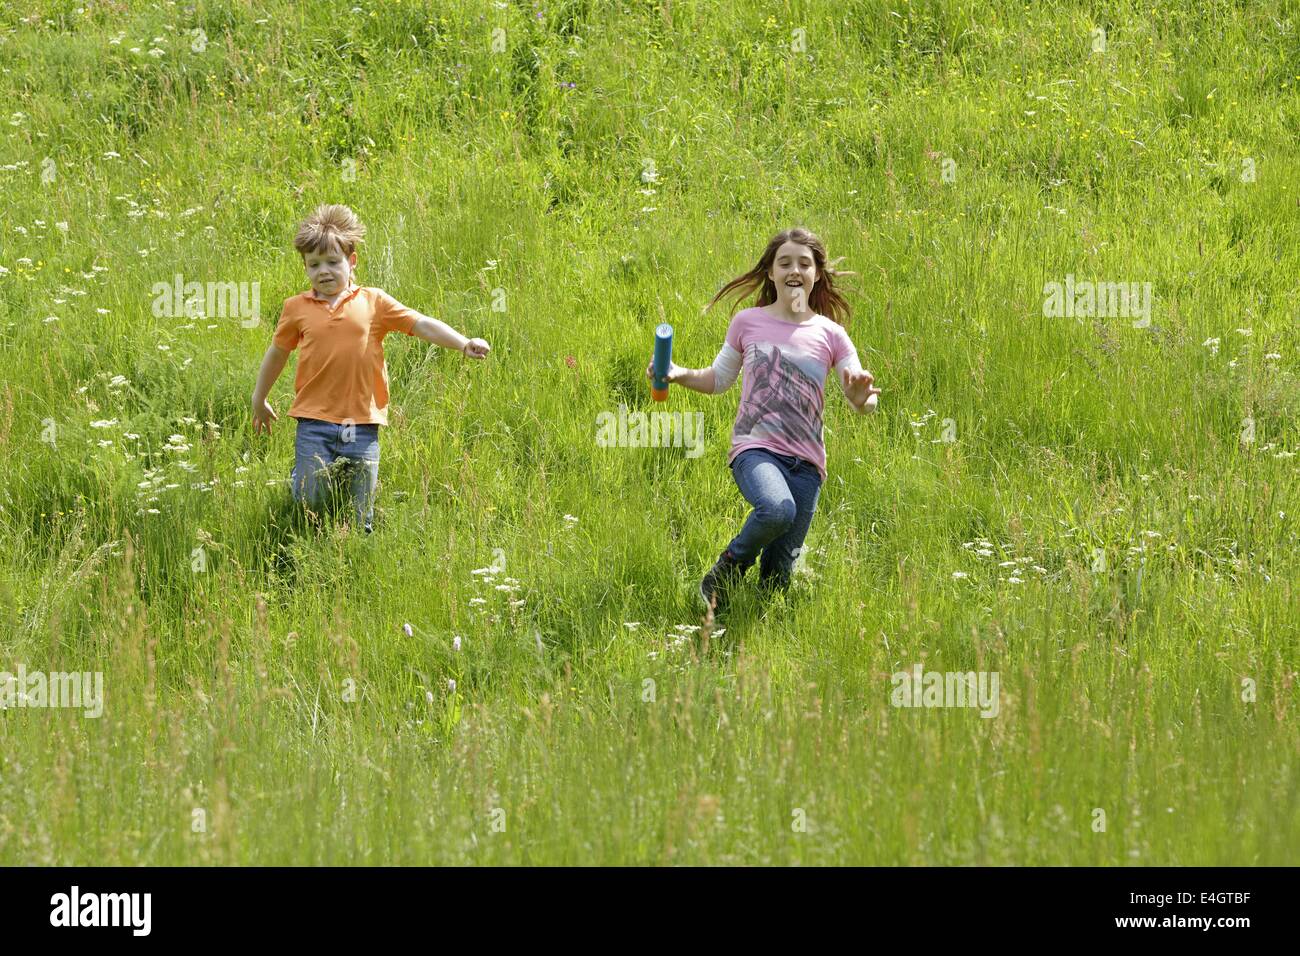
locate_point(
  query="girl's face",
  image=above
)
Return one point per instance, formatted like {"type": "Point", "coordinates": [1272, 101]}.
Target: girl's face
{"type": "Point", "coordinates": [329, 271]}
{"type": "Point", "coordinates": [794, 272]}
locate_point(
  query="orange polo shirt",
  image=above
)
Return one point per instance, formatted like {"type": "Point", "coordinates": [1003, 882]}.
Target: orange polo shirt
{"type": "Point", "coordinates": [341, 371]}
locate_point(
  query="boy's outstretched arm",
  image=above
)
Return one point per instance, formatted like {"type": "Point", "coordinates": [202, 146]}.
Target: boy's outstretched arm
{"type": "Point", "coordinates": [272, 365]}
{"type": "Point", "coordinates": [440, 333]}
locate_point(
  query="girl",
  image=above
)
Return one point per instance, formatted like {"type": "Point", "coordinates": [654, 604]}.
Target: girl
{"type": "Point", "coordinates": [788, 342]}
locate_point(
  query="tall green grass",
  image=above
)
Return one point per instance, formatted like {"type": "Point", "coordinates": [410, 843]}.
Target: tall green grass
{"type": "Point", "coordinates": [271, 708]}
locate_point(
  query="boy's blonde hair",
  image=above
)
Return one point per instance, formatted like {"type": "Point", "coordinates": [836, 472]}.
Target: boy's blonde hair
{"type": "Point", "coordinates": [327, 227]}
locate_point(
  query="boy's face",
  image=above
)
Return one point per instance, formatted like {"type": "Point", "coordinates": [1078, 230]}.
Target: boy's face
{"type": "Point", "coordinates": [329, 271]}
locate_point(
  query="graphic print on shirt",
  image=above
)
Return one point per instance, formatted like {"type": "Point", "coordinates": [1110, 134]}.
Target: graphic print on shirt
{"type": "Point", "coordinates": [784, 397]}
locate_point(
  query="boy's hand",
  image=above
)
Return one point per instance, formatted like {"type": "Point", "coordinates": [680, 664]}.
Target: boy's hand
{"type": "Point", "coordinates": [859, 391]}
{"type": "Point", "coordinates": [477, 348]}
{"type": "Point", "coordinates": [263, 415]}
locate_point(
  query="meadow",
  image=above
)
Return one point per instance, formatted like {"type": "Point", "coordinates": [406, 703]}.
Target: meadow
{"type": "Point", "coordinates": [513, 669]}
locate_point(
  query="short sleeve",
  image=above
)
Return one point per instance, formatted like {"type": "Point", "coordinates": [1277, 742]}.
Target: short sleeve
{"type": "Point", "coordinates": [287, 334]}
{"type": "Point", "coordinates": [844, 355]}
{"type": "Point", "coordinates": [735, 333]}
{"type": "Point", "coordinates": [392, 316]}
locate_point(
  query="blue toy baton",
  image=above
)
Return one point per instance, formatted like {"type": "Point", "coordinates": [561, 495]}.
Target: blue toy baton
{"type": "Point", "coordinates": [663, 362]}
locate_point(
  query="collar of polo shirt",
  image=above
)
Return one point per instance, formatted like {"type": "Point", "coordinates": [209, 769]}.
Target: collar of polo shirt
{"type": "Point", "coordinates": [348, 293]}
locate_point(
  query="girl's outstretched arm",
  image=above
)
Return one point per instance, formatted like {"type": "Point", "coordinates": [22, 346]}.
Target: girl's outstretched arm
{"type": "Point", "coordinates": [718, 377]}
{"type": "Point", "coordinates": [858, 389]}
{"type": "Point", "coordinates": [696, 379]}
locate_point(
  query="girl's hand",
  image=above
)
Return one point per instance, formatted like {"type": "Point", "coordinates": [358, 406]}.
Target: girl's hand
{"type": "Point", "coordinates": [674, 375]}
{"type": "Point", "coordinates": [476, 348]}
{"type": "Point", "coordinates": [263, 415]}
{"type": "Point", "coordinates": [859, 391]}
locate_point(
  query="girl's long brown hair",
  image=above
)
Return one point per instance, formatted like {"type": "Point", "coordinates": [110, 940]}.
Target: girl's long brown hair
{"type": "Point", "coordinates": [824, 299]}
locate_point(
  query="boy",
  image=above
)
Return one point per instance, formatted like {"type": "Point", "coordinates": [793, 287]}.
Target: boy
{"type": "Point", "coordinates": [341, 387]}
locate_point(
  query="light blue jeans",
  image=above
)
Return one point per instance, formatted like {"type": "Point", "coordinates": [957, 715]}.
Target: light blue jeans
{"type": "Point", "coordinates": [323, 450]}
{"type": "Point", "coordinates": [783, 490]}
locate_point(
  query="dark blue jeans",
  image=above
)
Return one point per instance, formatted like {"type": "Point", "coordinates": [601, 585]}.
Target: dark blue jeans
{"type": "Point", "coordinates": [324, 450]}
{"type": "Point", "coordinates": [783, 490]}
